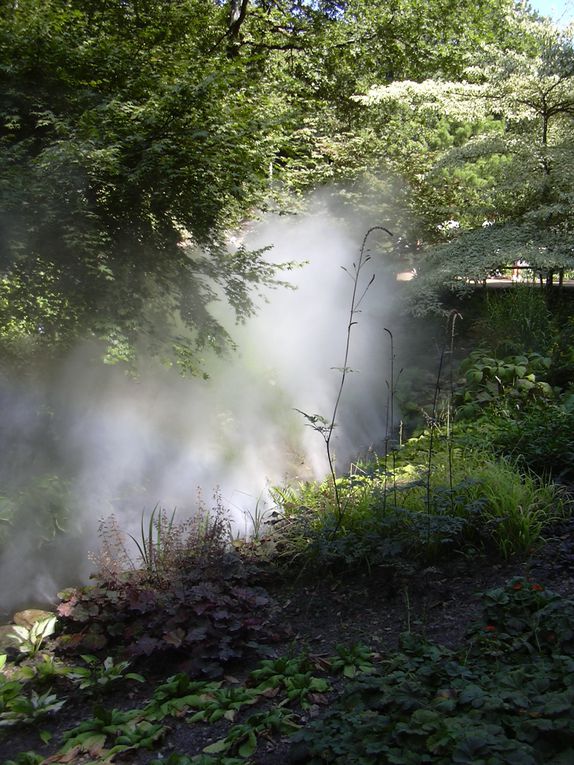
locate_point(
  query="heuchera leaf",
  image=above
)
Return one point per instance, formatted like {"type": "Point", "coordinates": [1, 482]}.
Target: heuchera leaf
{"type": "Point", "coordinates": [142, 600]}
{"type": "Point", "coordinates": [175, 637]}
{"type": "Point", "coordinates": [216, 617]}
{"type": "Point", "coordinates": [146, 646]}
{"type": "Point", "coordinates": [94, 641]}
{"type": "Point", "coordinates": [66, 609]}
{"type": "Point", "coordinates": [196, 635]}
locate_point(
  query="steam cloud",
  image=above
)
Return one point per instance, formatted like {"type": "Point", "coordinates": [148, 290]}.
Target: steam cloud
{"type": "Point", "coordinates": [127, 445]}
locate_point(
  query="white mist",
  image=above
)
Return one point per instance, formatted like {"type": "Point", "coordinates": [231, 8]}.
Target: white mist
{"type": "Point", "coordinates": [130, 445]}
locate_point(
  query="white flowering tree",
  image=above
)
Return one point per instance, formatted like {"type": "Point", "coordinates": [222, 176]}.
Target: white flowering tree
{"type": "Point", "coordinates": [493, 152]}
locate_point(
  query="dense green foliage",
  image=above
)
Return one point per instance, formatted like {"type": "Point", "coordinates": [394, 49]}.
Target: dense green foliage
{"type": "Point", "coordinates": [488, 157]}
{"type": "Point", "coordinates": [126, 145]}
{"type": "Point", "coordinates": [136, 136]}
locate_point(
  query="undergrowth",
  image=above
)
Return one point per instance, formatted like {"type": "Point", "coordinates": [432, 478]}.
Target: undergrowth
{"type": "Point", "coordinates": [505, 697]}
{"type": "Point", "coordinates": [189, 593]}
{"type": "Point", "coordinates": [470, 499]}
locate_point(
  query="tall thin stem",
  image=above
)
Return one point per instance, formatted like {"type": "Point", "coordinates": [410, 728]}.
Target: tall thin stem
{"type": "Point", "coordinates": [431, 440]}
{"type": "Point", "coordinates": [355, 303]}
{"type": "Point", "coordinates": [454, 315]}
{"type": "Point", "coordinates": [389, 441]}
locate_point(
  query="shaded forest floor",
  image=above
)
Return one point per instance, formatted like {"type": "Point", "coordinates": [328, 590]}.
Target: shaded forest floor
{"type": "Point", "coordinates": [314, 616]}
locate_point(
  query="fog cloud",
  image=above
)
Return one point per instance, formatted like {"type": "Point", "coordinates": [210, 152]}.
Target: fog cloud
{"type": "Point", "coordinates": [124, 445]}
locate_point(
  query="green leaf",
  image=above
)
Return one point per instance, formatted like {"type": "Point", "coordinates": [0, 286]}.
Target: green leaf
{"type": "Point", "coordinates": [217, 747]}
{"type": "Point", "coordinates": [248, 747]}
{"type": "Point", "coordinates": [135, 676]}
{"type": "Point", "coordinates": [472, 694]}
{"type": "Point", "coordinates": [474, 376]}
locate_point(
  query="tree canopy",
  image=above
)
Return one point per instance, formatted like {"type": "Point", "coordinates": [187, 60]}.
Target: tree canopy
{"type": "Point", "coordinates": [128, 148]}
{"type": "Point", "coordinates": [495, 183]}
{"type": "Point", "coordinates": [136, 135]}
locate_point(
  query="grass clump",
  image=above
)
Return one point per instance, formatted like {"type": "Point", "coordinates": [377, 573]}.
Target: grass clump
{"type": "Point", "coordinates": [469, 498]}
{"type": "Point", "coordinates": [517, 320]}
{"type": "Point", "coordinates": [518, 506]}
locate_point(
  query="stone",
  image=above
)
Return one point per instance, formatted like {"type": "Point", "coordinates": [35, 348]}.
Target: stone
{"type": "Point", "coordinates": [29, 616]}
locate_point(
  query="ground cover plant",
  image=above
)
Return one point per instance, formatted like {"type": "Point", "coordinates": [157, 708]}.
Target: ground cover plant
{"type": "Point", "coordinates": [503, 696]}
{"type": "Point", "coordinates": [518, 379]}
{"type": "Point", "coordinates": [517, 320]}
{"type": "Point", "coordinates": [536, 435]}
{"type": "Point", "coordinates": [525, 634]}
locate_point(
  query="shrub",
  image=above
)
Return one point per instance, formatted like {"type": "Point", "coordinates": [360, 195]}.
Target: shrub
{"type": "Point", "coordinates": [195, 599]}
{"type": "Point", "coordinates": [539, 437]}
{"type": "Point", "coordinates": [515, 380]}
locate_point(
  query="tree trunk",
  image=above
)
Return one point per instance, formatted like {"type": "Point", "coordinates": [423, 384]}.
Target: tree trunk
{"type": "Point", "coordinates": [237, 14]}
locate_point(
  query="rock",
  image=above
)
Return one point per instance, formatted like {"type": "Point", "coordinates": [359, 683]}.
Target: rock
{"type": "Point", "coordinates": [31, 615]}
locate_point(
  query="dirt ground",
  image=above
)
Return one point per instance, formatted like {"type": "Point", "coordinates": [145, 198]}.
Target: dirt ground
{"type": "Point", "coordinates": [314, 616]}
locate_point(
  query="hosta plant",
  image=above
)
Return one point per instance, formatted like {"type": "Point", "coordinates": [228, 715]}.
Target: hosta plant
{"type": "Point", "coordinates": [28, 707]}
{"type": "Point", "coordinates": [98, 675]}
{"type": "Point", "coordinates": [30, 639]}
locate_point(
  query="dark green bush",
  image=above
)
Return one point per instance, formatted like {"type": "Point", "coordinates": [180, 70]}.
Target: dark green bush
{"type": "Point", "coordinates": [540, 436]}
{"type": "Point", "coordinates": [513, 380]}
